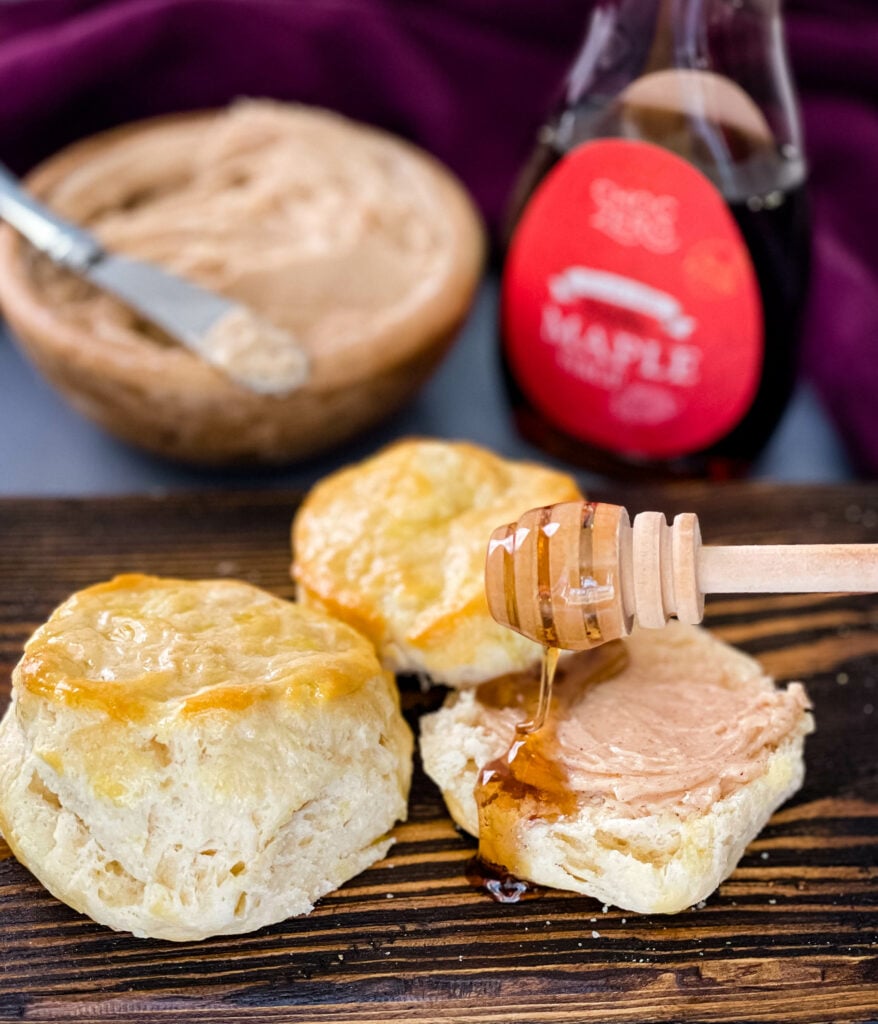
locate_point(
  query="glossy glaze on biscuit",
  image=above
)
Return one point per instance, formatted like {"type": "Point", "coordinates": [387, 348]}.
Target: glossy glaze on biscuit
{"type": "Point", "coordinates": [141, 647]}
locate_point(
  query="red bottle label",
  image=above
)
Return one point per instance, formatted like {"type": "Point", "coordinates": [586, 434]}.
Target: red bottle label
{"type": "Point", "coordinates": [631, 310]}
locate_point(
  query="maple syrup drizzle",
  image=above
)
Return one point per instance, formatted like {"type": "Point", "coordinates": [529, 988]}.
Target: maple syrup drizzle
{"type": "Point", "coordinates": [548, 667]}
{"type": "Point", "coordinates": [527, 781]}
{"type": "Point", "coordinates": [505, 779]}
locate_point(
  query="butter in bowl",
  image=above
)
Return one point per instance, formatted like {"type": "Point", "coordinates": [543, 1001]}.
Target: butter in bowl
{"type": "Point", "coordinates": [358, 247]}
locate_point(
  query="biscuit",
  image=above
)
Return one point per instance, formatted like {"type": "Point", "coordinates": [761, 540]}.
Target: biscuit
{"type": "Point", "coordinates": [184, 759]}
{"type": "Point", "coordinates": [396, 547]}
{"type": "Point", "coordinates": [669, 768]}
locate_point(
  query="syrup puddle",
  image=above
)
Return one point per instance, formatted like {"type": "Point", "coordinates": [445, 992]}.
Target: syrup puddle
{"type": "Point", "coordinates": [527, 782]}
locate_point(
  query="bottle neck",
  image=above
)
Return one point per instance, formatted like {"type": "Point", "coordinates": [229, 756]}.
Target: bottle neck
{"type": "Point", "coordinates": [709, 79]}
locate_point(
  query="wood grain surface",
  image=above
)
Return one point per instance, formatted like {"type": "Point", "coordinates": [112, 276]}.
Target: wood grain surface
{"type": "Point", "coordinates": [791, 936]}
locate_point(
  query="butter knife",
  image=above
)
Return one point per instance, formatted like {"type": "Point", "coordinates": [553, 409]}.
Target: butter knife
{"type": "Point", "coordinates": [224, 333]}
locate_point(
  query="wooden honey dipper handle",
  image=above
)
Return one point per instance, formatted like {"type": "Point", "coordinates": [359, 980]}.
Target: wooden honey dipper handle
{"type": "Point", "coordinates": [576, 574]}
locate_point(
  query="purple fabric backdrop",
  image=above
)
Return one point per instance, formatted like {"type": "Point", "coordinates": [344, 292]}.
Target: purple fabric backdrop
{"type": "Point", "coordinates": [470, 80]}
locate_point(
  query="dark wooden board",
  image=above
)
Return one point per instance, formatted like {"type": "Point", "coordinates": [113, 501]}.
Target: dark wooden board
{"type": "Point", "coordinates": [792, 936]}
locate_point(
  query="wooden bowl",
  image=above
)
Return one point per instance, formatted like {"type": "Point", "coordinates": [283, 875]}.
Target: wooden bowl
{"type": "Point", "coordinates": [359, 242]}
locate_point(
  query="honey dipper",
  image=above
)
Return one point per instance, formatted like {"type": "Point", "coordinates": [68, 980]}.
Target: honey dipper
{"type": "Point", "coordinates": [576, 574]}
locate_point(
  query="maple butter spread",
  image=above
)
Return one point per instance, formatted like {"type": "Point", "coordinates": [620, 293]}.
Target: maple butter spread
{"type": "Point", "coordinates": [357, 245]}
{"type": "Point", "coordinates": [653, 737]}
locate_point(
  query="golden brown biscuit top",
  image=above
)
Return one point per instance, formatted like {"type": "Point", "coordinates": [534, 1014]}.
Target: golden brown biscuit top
{"type": "Point", "coordinates": [396, 546]}
{"type": "Point", "coordinates": [138, 646]}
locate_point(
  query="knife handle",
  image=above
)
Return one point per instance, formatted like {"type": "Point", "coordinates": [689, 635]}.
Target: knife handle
{"type": "Point", "coordinates": [62, 242]}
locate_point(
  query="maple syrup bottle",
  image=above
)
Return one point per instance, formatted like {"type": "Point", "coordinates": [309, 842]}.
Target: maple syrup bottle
{"type": "Point", "coordinates": [655, 276]}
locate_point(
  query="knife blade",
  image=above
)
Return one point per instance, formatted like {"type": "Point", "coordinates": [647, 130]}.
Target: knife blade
{"type": "Point", "coordinates": [224, 333]}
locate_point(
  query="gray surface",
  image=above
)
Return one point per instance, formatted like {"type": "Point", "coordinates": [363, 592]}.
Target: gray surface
{"type": "Point", "coordinates": [47, 449]}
